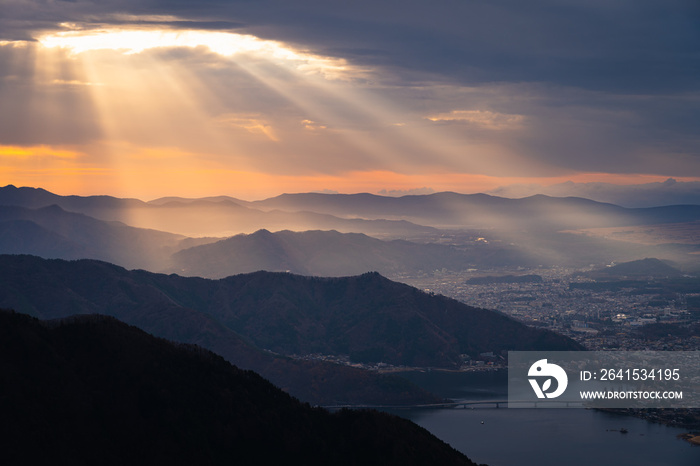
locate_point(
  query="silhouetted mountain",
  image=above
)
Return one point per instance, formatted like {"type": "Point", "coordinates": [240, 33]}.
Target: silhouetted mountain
{"type": "Point", "coordinates": [367, 317]}
{"type": "Point", "coordinates": [56, 288]}
{"type": "Point", "coordinates": [92, 390]}
{"type": "Point", "coordinates": [35, 198]}
{"type": "Point", "coordinates": [52, 232]}
{"type": "Point", "coordinates": [321, 253]}
{"type": "Point", "coordinates": [26, 237]}
{"type": "Point", "coordinates": [644, 268]}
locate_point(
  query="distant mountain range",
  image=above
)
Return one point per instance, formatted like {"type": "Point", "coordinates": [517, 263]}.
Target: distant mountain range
{"type": "Point", "coordinates": [92, 390]}
{"type": "Point", "coordinates": [367, 317]}
{"type": "Point", "coordinates": [359, 213]}
{"type": "Point", "coordinates": [220, 216]}
{"type": "Point", "coordinates": [453, 210]}
{"type": "Point", "coordinates": [52, 232]}
{"type": "Point", "coordinates": [522, 232]}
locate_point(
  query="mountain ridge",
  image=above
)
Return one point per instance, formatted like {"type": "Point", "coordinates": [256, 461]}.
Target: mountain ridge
{"type": "Point", "coordinates": [310, 211]}
{"type": "Point", "coordinates": [530, 232]}
{"type": "Point", "coordinates": [452, 209]}
{"type": "Point", "coordinates": [368, 317]}
{"type": "Point", "coordinates": [201, 217]}
{"type": "Point", "coordinates": [81, 236]}
{"type": "Point", "coordinates": [55, 288]}
{"type": "Point", "coordinates": [319, 253]}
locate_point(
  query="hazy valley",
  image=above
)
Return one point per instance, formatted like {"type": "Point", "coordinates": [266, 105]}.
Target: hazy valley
{"type": "Point", "coordinates": [395, 236]}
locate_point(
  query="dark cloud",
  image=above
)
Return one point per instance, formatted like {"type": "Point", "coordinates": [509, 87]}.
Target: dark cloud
{"type": "Point", "coordinates": [630, 46]}
{"type": "Point", "coordinates": [624, 46]}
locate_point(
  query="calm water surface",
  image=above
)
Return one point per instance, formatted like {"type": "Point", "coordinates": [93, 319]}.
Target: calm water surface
{"type": "Point", "coordinates": [542, 436]}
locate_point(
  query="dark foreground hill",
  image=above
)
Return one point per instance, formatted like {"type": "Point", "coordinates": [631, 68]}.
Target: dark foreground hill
{"type": "Point", "coordinates": [367, 317]}
{"type": "Point", "coordinates": [92, 390]}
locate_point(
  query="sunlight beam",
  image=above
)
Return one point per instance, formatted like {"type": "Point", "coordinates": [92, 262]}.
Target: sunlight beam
{"type": "Point", "coordinates": [227, 44]}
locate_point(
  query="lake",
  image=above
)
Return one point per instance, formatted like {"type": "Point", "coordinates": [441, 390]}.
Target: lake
{"type": "Point", "coordinates": [542, 436]}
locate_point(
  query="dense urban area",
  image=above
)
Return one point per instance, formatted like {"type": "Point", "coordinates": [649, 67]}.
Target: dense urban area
{"type": "Point", "coordinates": [563, 300]}
{"type": "Point", "coordinates": [638, 315]}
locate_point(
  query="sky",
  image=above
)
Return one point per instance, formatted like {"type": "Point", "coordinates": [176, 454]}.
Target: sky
{"type": "Point", "coordinates": [151, 98]}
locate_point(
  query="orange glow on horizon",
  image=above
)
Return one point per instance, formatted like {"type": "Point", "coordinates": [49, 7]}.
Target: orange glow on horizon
{"type": "Point", "coordinates": [19, 152]}
{"type": "Point", "coordinates": [152, 173]}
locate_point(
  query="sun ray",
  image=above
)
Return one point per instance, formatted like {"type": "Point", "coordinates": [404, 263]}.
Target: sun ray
{"type": "Point", "coordinates": [163, 98]}
{"type": "Point", "coordinates": [162, 103]}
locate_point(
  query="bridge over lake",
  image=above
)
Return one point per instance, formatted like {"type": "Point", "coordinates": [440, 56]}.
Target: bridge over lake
{"type": "Point", "coordinates": [464, 404]}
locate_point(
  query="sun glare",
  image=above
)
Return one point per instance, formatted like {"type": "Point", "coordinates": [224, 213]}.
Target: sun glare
{"type": "Point", "coordinates": [226, 44]}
